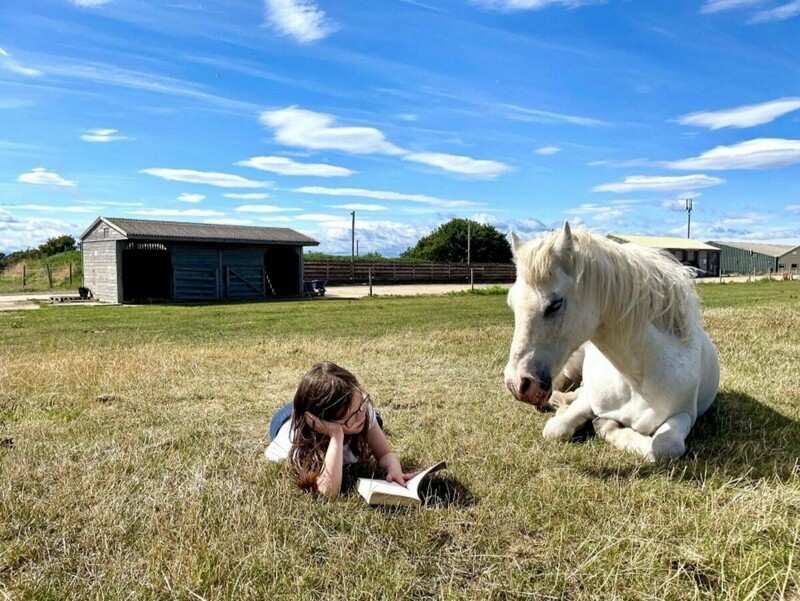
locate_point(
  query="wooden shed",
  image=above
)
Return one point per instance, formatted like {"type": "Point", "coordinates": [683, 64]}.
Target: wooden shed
{"type": "Point", "coordinates": [129, 260]}
{"type": "Point", "coordinates": [703, 257]}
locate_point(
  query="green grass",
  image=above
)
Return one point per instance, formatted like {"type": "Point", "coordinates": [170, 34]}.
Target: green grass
{"type": "Point", "coordinates": [136, 467]}
{"type": "Point", "coordinates": [36, 276]}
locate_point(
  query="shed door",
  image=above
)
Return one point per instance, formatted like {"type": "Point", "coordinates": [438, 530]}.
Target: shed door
{"type": "Point", "coordinates": [196, 273]}
{"type": "Point", "coordinates": [243, 273]}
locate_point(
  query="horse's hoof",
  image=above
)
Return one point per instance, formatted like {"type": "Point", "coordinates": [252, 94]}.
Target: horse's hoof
{"type": "Point", "coordinates": [604, 426]}
{"type": "Point", "coordinates": [555, 430]}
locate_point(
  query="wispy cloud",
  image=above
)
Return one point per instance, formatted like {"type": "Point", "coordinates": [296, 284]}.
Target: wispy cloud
{"type": "Point", "coordinates": [653, 183]}
{"type": "Point", "coordinates": [247, 195]}
{"type": "Point", "coordinates": [302, 128]}
{"type": "Point", "coordinates": [263, 209]}
{"type": "Point", "coordinates": [624, 164]}
{"type": "Point", "coordinates": [761, 153]}
{"type": "Point", "coordinates": [715, 6]}
{"type": "Point", "coordinates": [779, 13]}
{"type": "Point", "coordinates": [102, 135]}
{"type": "Point", "coordinates": [384, 195]}
{"type": "Point", "coordinates": [793, 209]}
{"type": "Point", "coordinates": [317, 131]}
{"type": "Point", "coordinates": [186, 197]}
{"type": "Point", "coordinates": [321, 217]}
{"type": "Point", "coordinates": [459, 164]}
{"type": "Point", "coordinates": [360, 207]}
{"type": "Point", "coordinates": [43, 177]}
{"type": "Point", "coordinates": [743, 116]}
{"type": "Point", "coordinates": [229, 221]}
{"type": "Point", "coordinates": [599, 212]}
{"type": "Point", "coordinates": [285, 166]}
{"type": "Point", "coordinates": [7, 63]}
{"type": "Point", "coordinates": [178, 212]}
{"type": "Point", "coordinates": [210, 178]}
{"type": "Point", "coordinates": [520, 113]}
{"type": "Point", "coordinates": [299, 19]}
{"type": "Point", "coordinates": [89, 3]}
{"type": "Point", "coordinates": [547, 150]}
{"type": "Point", "coordinates": [518, 5]}
{"type": "Point", "coordinates": [53, 208]}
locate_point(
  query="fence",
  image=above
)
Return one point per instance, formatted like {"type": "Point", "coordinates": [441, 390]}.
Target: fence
{"type": "Point", "coordinates": [400, 272]}
{"type": "Point", "coordinates": [22, 277]}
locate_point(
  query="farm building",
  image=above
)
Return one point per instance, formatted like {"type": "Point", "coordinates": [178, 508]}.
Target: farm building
{"type": "Point", "coordinates": [128, 260]}
{"type": "Point", "coordinates": [754, 257]}
{"type": "Point", "coordinates": [703, 257]}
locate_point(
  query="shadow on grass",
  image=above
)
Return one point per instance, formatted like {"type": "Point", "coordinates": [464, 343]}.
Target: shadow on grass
{"type": "Point", "coordinates": [739, 438]}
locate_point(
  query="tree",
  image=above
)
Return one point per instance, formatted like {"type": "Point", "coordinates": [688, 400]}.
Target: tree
{"type": "Point", "coordinates": [56, 245]}
{"type": "Point", "coordinates": [448, 243]}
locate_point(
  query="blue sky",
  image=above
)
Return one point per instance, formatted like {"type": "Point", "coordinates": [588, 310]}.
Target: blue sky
{"type": "Point", "coordinates": [293, 113]}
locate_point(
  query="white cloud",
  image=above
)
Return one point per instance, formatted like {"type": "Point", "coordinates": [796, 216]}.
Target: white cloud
{"type": "Point", "coordinates": [519, 113]}
{"type": "Point", "coordinates": [186, 197]}
{"type": "Point", "coordinates": [249, 195]}
{"type": "Point", "coordinates": [599, 212]}
{"type": "Point", "coordinates": [743, 116]}
{"type": "Point", "coordinates": [300, 19]}
{"type": "Point", "coordinates": [714, 6]}
{"type": "Point", "coordinates": [779, 13]}
{"type": "Point", "coordinates": [276, 218]}
{"type": "Point", "coordinates": [20, 233]}
{"type": "Point", "coordinates": [323, 217]}
{"type": "Point", "coordinates": [262, 209]}
{"type": "Point", "coordinates": [89, 3]}
{"type": "Point", "coordinates": [43, 177]}
{"type": "Point", "coordinates": [102, 135]}
{"type": "Point", "coordinates": [624, 164]}
{"type": "Point", "coordinates": [406, 117]}
{"type": "Point", "coordinates": [178, 212]}
{"type": "Point", "coordinates": [384, 195]}
{"type": "Point", "coordinates": [7, 63]}
{"type": "Point", "coordinates": [547, 150]}
{"type": "Point", "coordinates": [360, 207]}
{"type": "Point", "coordinates": [221, 180]}
{"type": "Point", "coordinates": [284, 166]}
{"type": "Point", "coordinates": [306, 129]}
{"type": "Point", "coordinates": [459, 164]}
{"type": "Point", "coordinates": [302, 128]}
{"type": "Point", "coordinates": [516, 5]}
{"type": "Point", "coordinates": [794, 209]}
{"type": "Point", "coordinates": [650, 183]}
{"type": "Point", "coordinates": [761, 153]}
{"type": "Point", "coordinates": [229, 221]}
{"type": "Point", "coordinates": [54, 209]}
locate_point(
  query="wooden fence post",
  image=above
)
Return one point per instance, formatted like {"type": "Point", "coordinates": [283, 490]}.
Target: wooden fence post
{"type": "Point", "coordinates": [24, 274]}
{"type": "Point", "coordinates": [49, 273]}
{"type": "Point", "coordinates": [70, 274]}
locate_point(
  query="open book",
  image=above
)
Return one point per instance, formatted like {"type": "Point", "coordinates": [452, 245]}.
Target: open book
{"type": "Point", "coordinates": [381, 492]}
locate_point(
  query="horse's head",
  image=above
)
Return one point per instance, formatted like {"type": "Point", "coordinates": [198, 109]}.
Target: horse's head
{"type": "Point", "coordinates": [551, 321]}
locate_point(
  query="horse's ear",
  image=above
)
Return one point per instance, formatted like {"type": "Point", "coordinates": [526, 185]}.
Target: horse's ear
{"type": "Point", "coordinates": [563, 245]}
{"type": "Point", "coordinates": [515, 244]}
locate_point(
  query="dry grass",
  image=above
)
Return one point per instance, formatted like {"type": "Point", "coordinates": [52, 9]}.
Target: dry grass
{"type": "Point", "coordinates": [131, 463]}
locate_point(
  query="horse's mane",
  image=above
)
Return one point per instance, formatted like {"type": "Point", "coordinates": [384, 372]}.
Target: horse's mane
{"type": "Point", "coordinates": [634, 285]}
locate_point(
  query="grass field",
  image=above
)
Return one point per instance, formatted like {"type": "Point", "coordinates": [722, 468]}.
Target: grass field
{"type": "Point", "coordinates": [36, 274]}
{"type": "Point", "coordinates": [131, 464]}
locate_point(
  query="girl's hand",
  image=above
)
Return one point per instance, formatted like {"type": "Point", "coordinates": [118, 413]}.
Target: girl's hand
{"type": "Point", "coordinates": [329, 429]}
{"type": "Point", "coordinates": [395, 474]}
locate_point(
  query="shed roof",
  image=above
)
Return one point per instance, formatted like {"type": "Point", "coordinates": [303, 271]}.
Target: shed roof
{"type": "Point", "coordinates": [145, 229]}
{"type": "Point", "coordinates": [666, 242]}
{"type": "Point", "coordinates": [772, 250]}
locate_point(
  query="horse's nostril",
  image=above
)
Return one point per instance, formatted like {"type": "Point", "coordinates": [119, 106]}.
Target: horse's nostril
{"type": "Point", "coordinates": [524, 384]}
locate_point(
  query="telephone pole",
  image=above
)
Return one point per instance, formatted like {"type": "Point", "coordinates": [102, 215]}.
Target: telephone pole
{"type": "Point", "coordinates": [688, 202]}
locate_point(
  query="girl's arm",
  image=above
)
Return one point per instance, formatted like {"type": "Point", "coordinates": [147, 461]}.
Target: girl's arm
{"type": "Point", "coordinates": [379, 446]}
{"type": "Point", "coordinates": [329, 481]}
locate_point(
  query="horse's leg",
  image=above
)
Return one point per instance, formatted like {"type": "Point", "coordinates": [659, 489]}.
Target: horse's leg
{"type": "Point", "coordinates": [667, 442]}
{"type": "Point", "coordinates": [567, 421]}
{"type": "Point", "coordinates": [561, 400]}
{"type": "Point", "coordinates": [626, 439]}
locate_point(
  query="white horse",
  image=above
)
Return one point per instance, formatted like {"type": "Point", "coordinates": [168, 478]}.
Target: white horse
{"type": "Point", "coordinates": [650, 369]}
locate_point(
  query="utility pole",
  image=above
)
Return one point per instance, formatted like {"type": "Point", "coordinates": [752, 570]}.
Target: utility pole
{"type": "Point", "coordinates": [688, 202]}
{"type": "Point", "coordinates": [353, 248]}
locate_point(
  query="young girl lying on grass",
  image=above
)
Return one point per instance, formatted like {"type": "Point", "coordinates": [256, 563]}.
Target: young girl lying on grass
{"type": "Point", "coordinates": [331, 423]}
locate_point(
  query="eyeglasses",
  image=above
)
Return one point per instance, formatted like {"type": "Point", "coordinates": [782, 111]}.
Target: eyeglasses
{"type": "Point", "coordinates": [351, 419]}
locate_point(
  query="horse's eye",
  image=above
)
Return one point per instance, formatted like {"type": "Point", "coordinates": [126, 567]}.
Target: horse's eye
{"type": "Point", "coordinates": [553, 307]}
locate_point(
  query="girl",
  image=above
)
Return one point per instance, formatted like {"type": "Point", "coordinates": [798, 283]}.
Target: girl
{"type": "Point", "coordinates": [331, 423]}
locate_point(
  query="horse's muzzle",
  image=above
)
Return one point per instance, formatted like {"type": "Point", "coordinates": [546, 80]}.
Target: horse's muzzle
{"type": "Point", "coordinates": [529, 390]}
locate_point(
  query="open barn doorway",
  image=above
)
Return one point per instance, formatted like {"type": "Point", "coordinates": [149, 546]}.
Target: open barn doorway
{"type": "Point", "coordinates": [282, 270]}
{"type": "Point", "coordinates": [146, 272]}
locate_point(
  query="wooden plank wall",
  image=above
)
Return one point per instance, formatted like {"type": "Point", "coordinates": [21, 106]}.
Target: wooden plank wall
{"type": "Point", "coordinates": [100, 275]}
{"type": "Point", "coordinates": [397, 272]}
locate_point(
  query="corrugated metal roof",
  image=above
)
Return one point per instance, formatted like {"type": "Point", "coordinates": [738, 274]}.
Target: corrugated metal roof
{"type": "Point", "coordinates": [666, 242]}
{"type": "Point", "coordinates": [772, 250]}
{"type": "Point", "coordinates": [135, 229]}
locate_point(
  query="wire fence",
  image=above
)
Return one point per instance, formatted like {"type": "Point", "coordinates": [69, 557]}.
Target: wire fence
{"type": "Point", "coordinates": [22, 277]}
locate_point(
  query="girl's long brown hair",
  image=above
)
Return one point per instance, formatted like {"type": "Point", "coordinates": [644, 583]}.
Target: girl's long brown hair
{"type": "Point", "coordinates": [326, 391]}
